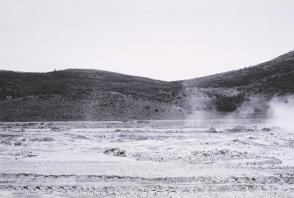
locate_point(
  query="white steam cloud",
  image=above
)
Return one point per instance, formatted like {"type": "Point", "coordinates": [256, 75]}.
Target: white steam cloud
{"type": "Point", "coordinates": [282, 112]}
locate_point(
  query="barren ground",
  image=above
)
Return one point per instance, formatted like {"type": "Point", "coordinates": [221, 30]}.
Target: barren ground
{"type": "Point", "coordinates": [239, 158]}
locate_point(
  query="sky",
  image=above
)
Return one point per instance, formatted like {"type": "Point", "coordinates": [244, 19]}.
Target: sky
{"type": "Point", "coordinates": [160, 39]}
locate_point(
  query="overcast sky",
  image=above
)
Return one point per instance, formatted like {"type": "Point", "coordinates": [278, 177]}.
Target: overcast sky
{"type": "Point", "coordinates": [161, 39]}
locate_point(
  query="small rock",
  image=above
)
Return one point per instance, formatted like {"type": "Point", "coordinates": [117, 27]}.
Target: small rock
{"type": "Point", "coordinates": [17, 143]}
{"type": "Point", "coordinates": [56, 129]}
{"type": "Point", "coordinates": [266, 129]}
{"type": "Point", "coordinates": [212, 130]}
{"type": "Point", "coordinates": [115, 152]}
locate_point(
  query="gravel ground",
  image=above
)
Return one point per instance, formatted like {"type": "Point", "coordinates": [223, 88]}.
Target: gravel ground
{"type": "Point", "coordinates": [215, 158]}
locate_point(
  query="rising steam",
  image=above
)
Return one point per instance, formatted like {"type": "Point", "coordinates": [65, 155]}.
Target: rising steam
{"type": "Point", "coordinates": [282, 112]}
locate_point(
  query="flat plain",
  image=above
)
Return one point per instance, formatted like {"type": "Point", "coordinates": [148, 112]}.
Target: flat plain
{"type": "Point", "coordinates": [195, 158]}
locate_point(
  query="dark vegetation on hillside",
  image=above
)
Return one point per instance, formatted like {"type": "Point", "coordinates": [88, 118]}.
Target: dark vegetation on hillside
{"type": "Point", "coordinates": [225, 103]}
{"type": "Point", "coordinates": [272, 77]}
{"type": "Point", "coordinates": [75, 94]}
{"type": "Point", "coordinates": [80, 83]}
{"type": "Point", "coordinates": [85, 95]}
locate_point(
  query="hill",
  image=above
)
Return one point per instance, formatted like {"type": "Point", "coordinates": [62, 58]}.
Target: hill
{"type": "Point", "coordinates": [252, 87]}
{"type": "Point", "coordinates": [275, 76]}
{"type": "Point", "coordinates": [79, 94]}
{"type": "Point", "coordinates": [83, 95]}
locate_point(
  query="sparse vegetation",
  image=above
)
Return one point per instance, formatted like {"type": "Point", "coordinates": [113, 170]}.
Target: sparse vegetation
{"type": "Point", "coordinates": [225, 103]}
{"type": "Point", "coordinates": [99, 95]}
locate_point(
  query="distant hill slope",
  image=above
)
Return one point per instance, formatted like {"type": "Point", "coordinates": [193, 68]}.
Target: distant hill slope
{"type": "Point", "coordinates": [275, 76]}
{"type": "Point", "coordinates": [79, 82]}
{"type": "Point", "coordinates": [78, 94]}
{"type": "Point", "coordinates": [75, 94]}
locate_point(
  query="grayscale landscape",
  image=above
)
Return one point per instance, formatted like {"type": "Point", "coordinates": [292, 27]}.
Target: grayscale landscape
{"type": "Point", "coordinates": [194, 138]}
{"type": "Point", "coordinates": [146, 99]}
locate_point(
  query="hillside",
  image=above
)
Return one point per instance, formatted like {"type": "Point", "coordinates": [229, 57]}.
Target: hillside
{"type": "Point", "coordinates": [78, 94]}
{"type": "Point", "coordinates": [84, 95]}
{"type": "Point", "coordinates": [77, 82]}
{"type": "Point", "coordinates": [273, 77]}
{"type": "Point", "coordinates": [249, 88]}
